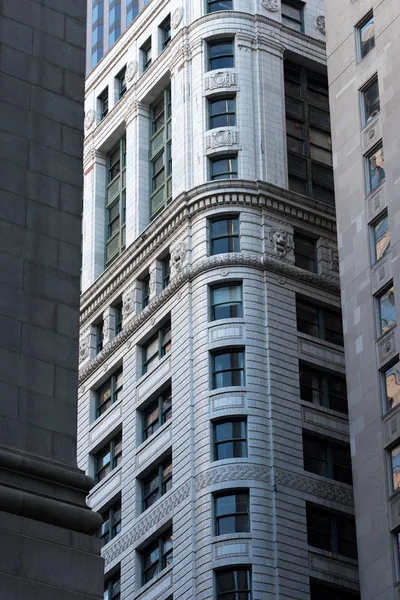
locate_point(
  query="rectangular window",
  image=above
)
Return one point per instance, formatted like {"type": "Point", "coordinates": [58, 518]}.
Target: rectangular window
{"type": "Point", "coordinates": [118, 318]}
{"type": "Point", "coordinates": [231, 512]}
{"type": "Point", "coordinates": [132, 11]}
{"type": "Point", "coordinates": [392, 386]}
{"type": "Point", "coordinates": [216, 5]}
{"type": "Point", "coordinates": [331, 531]}
{"type": "Point", "coordinates": [387, 310]}
{"type": "Point", "coordinates": [165, 29]}
{"type": "Point", "coordinates": [223, 167]}
{"type": "Point", "coordinates": [233, 583]}
{"type": "Point", "coordinates": [116, 201]}
{"type": "Point", "coordinates": [109, 392]}
{"type": "Point", "coordinates": [323, 389]}
{"type": "Point", "coordinates": [97, 31]}
{"type": "Point", "coordinates": [305, 252]}
{"type": "Point", "coordinates": [365, 35]}
{"type": "Point", "coordinates": [108, 458]}
{"type": "Point", "coordinates": [161, 153]}
{"type": "Point", "coordinates": [145, 291]}
{"type": "Point", "coordinates": [114, 22]}
{"type": "Point", "coordinates": [230, 438]}
{"type": "Point", "coordinates": [308, 133]}
{"type": "Point", "coordinates": [157, 556]}
{"type": "Point", "coordinates": [99, 337]}
{"type": "Point", "coordinates": [157, 347]}
{"type": "Point", "coordinates": [327, 458]}
{"type": "Point", "coordinates": [111, 523]}
{"type": "Point", "coordinates": [145, 51]}
{"type": "Point", "coordinates": [157, 413]}
{"type": "Point", "coordinates": [381, 237]}
{"type": "Point", "coordinates": [121, 83]}
{"type": "Point", "coordinates": [221, 55]}
{"type": "Point", "coordinates": [320, 591]}
{"type": "Point", "coordinates": [375, 168]}
{"type": "Point", "coordinates": [227, 368]}
{"type": "Point", "coordinates": [226, 302]}
{"type": "Point", "coordinates": [222, 112]}
{"type": "Point", "coordinates": [103, 103]}
{"type": "Point", "coordinates": [319, 322]}
{"type": "Point", "coordinates": [112, 586]}
{"type": "Point", "coordinates": [157, 483]}
{"type": "Point", "coordinates": [395, 467]}
{"type": "Point", "coordinates": [292, 14]}
{"type": "Point", "coordinates": [166, 271]}
{"type": "Point", "coordinates": [224, 235]}
{"type": "Point", "coordinates": [370, 105]}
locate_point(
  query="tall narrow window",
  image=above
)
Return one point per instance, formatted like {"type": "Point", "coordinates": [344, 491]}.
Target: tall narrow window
{"type": "Point", "coordinates": [227, 368]}
{"type": "Point", "coordinates": [292, 14]}
{"type": "Point", "coordinates": [121, 83]}
{"type": "Point", "coordinates": [103, 103]}
{"type": "Point", "coordinates": [116, 201]}
{"type": "Point", "coordinates": [215, 5]}
{"type": "Point", "coordinates": [327, 458]}
{"type": "Point", "coordinates": [323, 389]}
{"type": "Point", "coordinates": [224, 235]}
{"type": "Point", "coordinates": [157, 483]}
{"type": "Point", "coordinates": [381, 237]}
{"type": "Point", "coordinates": [231, 512]}
{"type": "Point", "coordinates": [157, 413]}
{"type": "Point", "coordinates": [230, 438]}
{"type": "Point", "coordinates": [132, 11]}
{"type": "Point", "coordinates": [221, 55]}
{"type": "Point", "coordinates": [118, 318]}
{"type": "Point", "coordinates": [165, 30]}
{"type": "Point", "coordinates": [392, 386]}
{"type": "Point", "coordinates": [305, 252]}
{"type": "Point", "coordinates": [111, 523]}
{"type": "Point", "coordinates": [366, 35]}
{"type": "Point", "coordinates": [375, 167]}
{"type": "Point", "coordinates": [161, 153]}
{"type": "Point", "coordinates": [226, 302]}
{"type": "Point", "coordinates": [387, 309]}
{"type": "Point", "coordinates": [308, 133]}
{"type": "Point", "coordinates": [370, 105]}
{"type": "Point", "coordinates": [99, 336]}
{"type": "Point", "coordinates": [112, 586]}
{"type": "Point", "coordinates": [395, 464]}
{"type": "Point", "coordinates": [319, 322]}
{"type": "Point", "coordinates": [146, 54]}
{"type": "Point", "coordinates": [166, 271]}
{"type": "Point", "coordinates": [114, 21]}
{"type": "Point", "coordinates": [224, 167]}
{"type": "Point", "coordinates": [157, 347]}
{"type": "Point", "coordinates": [108, 458]}
{"type": "Point", "coordinates": [222, 112]}
{"type": "Point", "coordinates": [157, 556]}
{"type": "Point", "coordinates": [97, 31]}
{"type": "Point", "coordinates": [145, 291]}
{"type": "Point", "coordinates": [234, 583]}
{"type": "Point", "coordinates": [331, 531]}
{"type": "Point", "coordinates": [109, 392]}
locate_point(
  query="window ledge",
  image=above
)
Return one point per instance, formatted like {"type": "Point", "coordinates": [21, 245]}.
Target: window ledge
{"type": "Point", "coordinates": [233, 321]}
{"type": "Point", "coordinates": [388, 331]}
{"type": "Point", "coordinates": [227, 537]}
{"type": "Point", "coordinates": [335, 482]}
{"type": "Point", "coordinates": [106, 479]}
{"type": "Point", "coordinates": [143, 377]}
{"type": "Point", "coordinates": [371, 122]}
{"type": "Point", "coordinates": [110, 543]}
{"type": "Point", "coordinates": [375, 190]}
{"type": "Point", "coordinates": [226, 390]}
{"type": "Point", "coordinates": [106, 414]}
{"type": "Point", "coordinates": [325, 410]}
{"type": "Point", "coordinates": [153, 436]}
{"type": "Point", "coordinates": [316, 340]}
{"type": "Point", "coordinates": [338, 557]}
{"type": "Point", "coordinates": [146, 587]}
{"type": "Point", "coordinates": [156, 503]}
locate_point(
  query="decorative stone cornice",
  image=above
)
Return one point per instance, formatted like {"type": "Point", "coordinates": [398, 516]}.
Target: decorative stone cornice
{"type": "Point", "coordinates": [322, 489]}
{"type": "Point", "coordinates": [267, 261]}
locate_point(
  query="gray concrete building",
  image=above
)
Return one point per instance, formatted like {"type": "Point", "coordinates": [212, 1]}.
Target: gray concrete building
{"type": "Point", "coordinates": [212, 398]}
{"type": "Point", "coordinates": [363, 50]}
{"type": "Point", "coordinates": [47, 550]}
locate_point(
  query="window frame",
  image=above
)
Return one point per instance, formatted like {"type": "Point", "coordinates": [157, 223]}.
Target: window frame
{"type": "Point", "coordinates": [211, 59]}
{"type": "Point", "coordinates": [370, 187]}
{"type": "Point", "coordinates": [111, 581]}
{"type": "Point", "coordinates": [331, 466]}
{"type": "Point", "coordinates": [166, 271]}
{"type": "Point", "coordinates": [358, 28]}
{"type": "Point", "coordinates": [217, 2]}
{"type": "Point", "coordinates": [295, 4]}
{"type": "Point", "coordinates": [160, 147]}
{"type": "Point", "coordinates": [378, 299]}
{"type": "Point", "coordinates": [114, 524]}
{"type": "Point", "coordinates": [121, 81]}
{"type": "Point", "coordinates": [230, 173]}
{"type": "Point", "coordinates": [374, 241]}
{"type": "Point", "coordinates": [147, 58]}
{"type": "Point", "coordinates": [114, 392]}
{"type": "Point", "coordinates": [114, 460]}
{"type": "Point", "coordinates": [229, 236]}
{"type": "Point", "coordinates": [116, 196]}
{"type": "Point", "coordinates": [163, 555]}
{"type": "Point", "coordinates": [240, 351]}
{"type": "Point", "coordinates": [161, 352]}
{"type": "Point", "coordinates": [239, 303]}
{"type": "Point", "coordinates": [321, 325]}
{"type": "Point", "coordinates": [312, 241]}
{"type": "Point", "coordinates": [237, 514]}
{"type": "Point", "coordinates": [336, 522]}
{"type": "Point", "coordinates": [236, 591]}
{"type": "Point", "coordinates": [394, 486]}
{"type": "Point", "coordinates": [166, 32]}
{"type": "Point", "coordinates": [233, 440]}
{"type": "Point", "coordinates": [213, 100]}
{"type": "Point", "coordinates": [323, 392]}
{"type": "Point", "coordinates": [367, 86]}
{"type": "Point", "coordinates": [99, 336]}
{"type": "Point", "coordinates": [164, 414]}
{"type": "Point", "coordinates": [164, 484]}
{"type": "Point", "coordinates": [385, 374]}
{"type": "Point", "coordinates": [119, 318]}
{"type": "Point", "coordinates": [104, 100]}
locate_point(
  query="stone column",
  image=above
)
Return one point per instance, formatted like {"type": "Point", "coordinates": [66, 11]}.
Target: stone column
{"type": "Point", "coordinates": [46, 532]}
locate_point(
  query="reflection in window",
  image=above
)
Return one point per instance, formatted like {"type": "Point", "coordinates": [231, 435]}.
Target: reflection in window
{"type": "Point", "coordinates": [381, 237]}
{"type": "Point", "coordinates": [230, 439]}
{"type": "Point", "coordinates": [109, 392]}
{"type": "Point", "coordinates": [214, 5]}
{"type": "Point", "coordinates": [157, 347]}
{"type": "Point", "coordinates": [231, 512]}
{"type": "Point", "coordinates": [224, 235]}
{"type": "Point", "coordinates": [108, 458]}
{"type": "Point", "coordinates": [392, 385]}
{"type": "Point", "coordinates": [161, 153]}
{"type": "Point", "coordinates": [157, 556]}
{"type": "Point", "coordinates": [157, 413]}
{"type": "Point", "coordinates": [387, 310]}
{"type": "Point", "coordinates": [226, 302]}
{"type": "Point", "coordinates": [220, 55]}
{"type": "Point", "coordinates": [224, 167]}
{"type": "Point", "coordinates": [227, 369]}
{"type": "Point", "coordinates": [234, 583]}
{"type": "Point", "coordinates": [114, 21]}
{"type": "Point", "coordinates": [157, 483]}
{"type": "Point", "coordinates": [366, 35]}
{"type": "Point", "coordinates": [376, 169]}
{"type": "Point", "coordinates": [132, 10]}
{"type": "Point", "coordinates": [222, 112]}
{"type": "Point", "coordinates": [370, 99]}
{"type": "Point", "coordinates": [395, 465]}
{"type": "Point", "coordinates": [111, 524]}
{"type": "Point", "coordinates": [97, 31]}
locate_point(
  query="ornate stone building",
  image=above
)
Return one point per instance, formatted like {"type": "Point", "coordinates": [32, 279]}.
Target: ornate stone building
{"type": "Point", "coordinates": [363, 52]}
{"type": "Point", "coordinates": [212, 399]}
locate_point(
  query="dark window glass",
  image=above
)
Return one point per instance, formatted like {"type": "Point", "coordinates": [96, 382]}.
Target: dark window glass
{"type": "Point", "coordinates": [224, 167]}
{"type": "Point", "coordinates": [99, 336]}
{"type": "Point", "coordinates": [331, 531]}
{"type": "Point", "coordinates": [116, 201]}
{"type": "Point", "coordinates": [157, 556]}
{"type": "Point", "coordinates": [307, 127]}
{"type": "Point", "coordinates": [157, 413]}
{"type": "Point", "coordinates": [166, 271]}
{"type": "Point", "coordinates": [319, 322]}
{"type": "Point", "coordinates": [214, 5]}
{"type": "Point", "coordinates": [234, 584]}
{"type": "Point", "coordinates": [112, 587]}
{"type": "Point", "coordinates": [118, 318]}
{"type": "Point", "coordinates": [292, 14]}
{"type": "Point", "coordinates": [121, 80]}
{"type": "Point", "coordinates": [305, 252]}
{"type": "Point", "coordinates": [145, 291]}
{"type": "Point", "coordinates": [392, 386]}
{"type": "Point", "coordinates": [381, 237]}
{"type": "Point", "coordinates": [224, 235]}
{"type": "Point", "coordinates": [146, 54]}
{"type": "Point", "coordinates": [227, 369]}
{"type": "Point", "coordinates": [366, 33]}
{"type": "Point", "coordinates": [320, 591]}
{"type": "Point", "coordinates": [103, 102]}
{"type": "Point", "coordinates": [157, 347]}
{"type": "Point", "coordinates": [230, 439]}
{"type": "Point", "coordinates": [165, 28]}
{"type": "Point", "coordinates": [370, 96]}
{"type": "Point", "coordinates": [327, 458]}
{"type": "Point", "coordinates": [375, 169]}
{"type": "Point", "coordinates": [157, 483]}
{"type": "Point", "coordinates": [108, 458]}
{"type": "Point", "coordinates": [387, 310]}
{"type": "Point", "coordinates": [109, 392]}
{"type": "Point", "coordinates": [220, 55]}
{"type": "Point", "coordinates": [231, 512]}
{"type": "Point", "coordinates": [323, 389]}
{"type": "Point", "coordinates": [222, 112]}
{"type": "Point", "coordinates": [111, 523]}
{"type": "Point", "coordinates": [226, 302]}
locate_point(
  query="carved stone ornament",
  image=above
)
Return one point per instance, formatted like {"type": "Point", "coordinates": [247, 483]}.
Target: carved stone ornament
{"type": "Point", "coordinates": [178, 255]}
{"type": "Point", "coordinates": [131, 70]}
{"type": "Point", "coordinates": [153, 283]}
{"type": "Point", "coordinates": [220, 79]}
{"type": "Point", "coordinates": [321, 24]}
{"type": "Point", "coordinates": [334, 261]}
{"type": "Point", "coordinates": [272, 5]}
{"type": "Point", "coordinates": [89, 118]}
{"type": "Point", "coordinates": [128, 302]}
{"type": "Point", "coordinates": [177, 17]}
{"type": "Point", "coordinates": [84, 347]}
{"type": "Point", "coordinates": [223, 137]}
{"type": "Point", "coordinates": [281, 242]}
